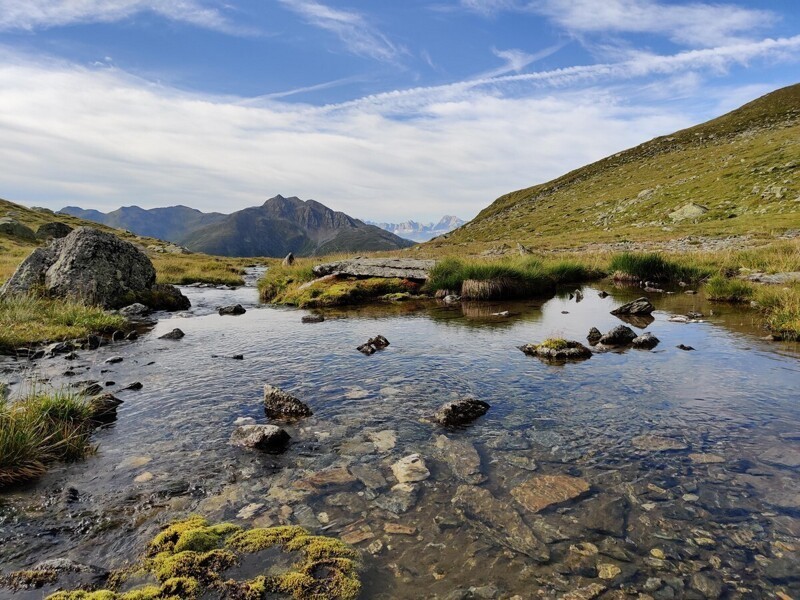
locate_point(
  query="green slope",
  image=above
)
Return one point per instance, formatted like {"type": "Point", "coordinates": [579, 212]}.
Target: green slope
{"type": "Point", "coordinates": [743, 169]}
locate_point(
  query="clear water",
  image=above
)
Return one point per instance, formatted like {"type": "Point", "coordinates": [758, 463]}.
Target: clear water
{"type": "Point", "coordinates": [735, 396]}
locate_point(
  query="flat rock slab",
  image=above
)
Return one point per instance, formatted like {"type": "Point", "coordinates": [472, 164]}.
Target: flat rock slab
{"type": "Point", "coordinates": [334, 476]}
{"type": "Point", "coordinates": [499, 521]}
{"type": "Point", "coordinates": [782, 456]}
{"type": "Point", "coordinates": [542, 491]}
{"type": "Point", "coordinates": [640, 306]}
{"type": "Point", "coordinates": [462, 458]}
{"type": "Point", "coordinates": [378, 267]}
{"type": "Point", "coordinates": [657, 443]}
{"type": "Point", "coordinates": [775, 278]}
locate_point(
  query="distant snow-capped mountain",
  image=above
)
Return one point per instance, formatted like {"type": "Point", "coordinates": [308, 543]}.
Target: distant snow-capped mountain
{"type": "Point", "coordinates": [421, 232]}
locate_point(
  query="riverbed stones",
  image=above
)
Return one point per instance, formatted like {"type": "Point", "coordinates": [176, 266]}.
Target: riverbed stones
{"type": "Point", "coordinates": [462, 458]}
{"type": "Point", "coordinates": [658, 443]}
{"type": "Point", "coordinates": [640, 306]}
{"type": "Point", "coordinates": [369, 475]}
{"type": "Point", "coordinates": [646, 341]}
{"type": "Point", "coordinates": [542, 491]}
{"type": "Point", "coordinates": [175, 334]}
{"type": "Point", "coordinates": [384, 440]}
{"type": "Point", "coordinates": [232, 310]}
{"type": "Point", "coordinates": [783, 455]}
{"type": "Point", "coordinates": [589, 592]}
{"type": "Point", "coordinates": [460, 412]}
{"type": "Point", "coordinates": [621, 335]}
{"type": "Point", "coordinates": [605, 514]}
{"type": "Point", "coordinates": [93, 266]}
{"type": "Point", "coordinates": [400, 499]}
{"type": "Point", "coordinates": [704, 458]}
{"type": "Point", "coordinates": [498, 521]}
{"type": "Point", "coordinates": [268, 438]}
{"type": "Point", "coordinates": [280, 405]}
{"type": "Point", "coordinates": [410, 469]}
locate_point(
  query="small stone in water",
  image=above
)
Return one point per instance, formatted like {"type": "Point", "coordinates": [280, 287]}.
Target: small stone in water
{"type": "Point", "coordinates": [657, 553]}
{"type": "Point", "coordinates": [113, 360]}
{"type": "Point", "coordinates": [397, 529]}
{"type": "Point", "coordinates": [144, 477]}
{"type": "Point", "coordinates": [608, 570]}
{"type": "Point", "coordinates": [705, 459]}
{"type": "Point", "coordinates": [410, 469]}
{"type": "Point", "coordinates": [175, 334]}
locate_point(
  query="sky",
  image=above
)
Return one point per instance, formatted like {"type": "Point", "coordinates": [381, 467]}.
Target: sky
{"type": "Point", "coordinates": [385, 109]}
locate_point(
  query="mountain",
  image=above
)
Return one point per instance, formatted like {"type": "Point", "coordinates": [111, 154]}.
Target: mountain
{"type": "Point", "coordinates": [282, 225]}
{"type": "Point", "coordinates": [172, 223]}
{"type": "Point", "coordinates": [737, 174]}
{"type": "Point", "coordinates": [421, 232]}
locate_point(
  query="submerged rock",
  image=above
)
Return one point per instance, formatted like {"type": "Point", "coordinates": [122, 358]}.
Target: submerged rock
{"type": "Point", "coordinates": [312, 319]}
{"type": "Point", "coordinates": [657, 443]}
{"type": "Point", "coordinates": [640, 306]}
{"type": "Point", "coordinates": [260, 437]}
{"type": "Point", "coordinates": [400, 499]}
{"type": "Point", "coordinates": [377, 343]}
{"type": "Point", "coordinates": [499, 521]}
{"type": "Point", "coordinates": [462, 458]}
{"type": "Point", "coordinates": [175, 334]}
{"type": "Point", "coordinates": [558, 350]}
{"type": "Point", "coordinates": [410, 469]}
{"type": "Point", "coordinates": [460, 412]}
{"type": "Point", "coordinates": [647, 341]}
{"type": "Point", "coordinates": [280, 405]}
{"type": "Point", "coordinates": [594, 335]}
{"type": "Point", "coordinates": [233, 310]}
{"type": "Point", "coordinates": [542, 491]}
{"type": "Point", "coordinates": [621, 335]}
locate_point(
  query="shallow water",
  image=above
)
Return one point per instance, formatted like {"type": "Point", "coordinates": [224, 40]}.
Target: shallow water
{"type": "Point", "coordinates": [736, 522]}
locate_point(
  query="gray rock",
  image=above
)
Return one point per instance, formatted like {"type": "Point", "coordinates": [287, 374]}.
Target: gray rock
{"type": "Point", "coordinates": [312, 319]}
{"type": "Point", "coordinates": [462, 458]}
{"type": "Point", "coordinates": [640, 306]}
{"type": "Point", "coordinates": [103, 408]}
{"type": "Point", "coordinates": [646, 341]}
{"type": "Point", "coordinates": [400, 499]}
{"type": "Point", "coordinates": [260, 437]}
{"type": "Point", "coordinates": [53, 230]}
{"type": "Point", "coordinates": [175, 334]}
{"type": "Point", "coordinates": [289, 260]}
{"type": "Point", "coordinates": [96, 267]}
{"type": "Point", "coordinates": [378, 267]}
{"type": "Point", "coordinates": [137, 310]}
{"type": "Point", "coordinates": [594, 335]}
{"type": "Point", "coordinates": [377, 343]}
{"type": "Point", "coordinates": [498, 521]}
{"type": "Point", "coordinates": [12, 227]}
{"type": "Point", "coordinates": [410, 469]}
{"type": "Point", "coordinates": [60, 348]}
{"type": "Point", "coordinates": [460, 412]}
{"type": "Point", "coordinates": [233, 310]}
{"type": "Point", "coordinates": [568, 350]}
{"type": "Point", "coordinates": [280, 405]}
{"type": "Point", "coordinates": [707, 584]}
{"type": "Point", "coordinates": [606, 514]}
{"type": "Point", "coordinates": [370, 476]}
{"type": "Point", "coordinates": [621, 335]}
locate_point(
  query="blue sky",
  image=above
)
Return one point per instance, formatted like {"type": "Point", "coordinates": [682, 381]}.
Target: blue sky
{"type": "Point", "coordinates": [385, 109]}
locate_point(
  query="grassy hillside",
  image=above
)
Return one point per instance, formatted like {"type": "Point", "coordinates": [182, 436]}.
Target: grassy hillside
{"type": "Point", "coordinates": [741, 169]}
{"type": "Point", "coordinates": [171, 268]}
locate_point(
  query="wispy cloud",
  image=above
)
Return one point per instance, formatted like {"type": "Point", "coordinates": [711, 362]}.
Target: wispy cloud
{"type": "Point", "coordinates": [357, 34]}
{"type": "Point", "coordinates": [43, 14]}
{"type": "Point", "coordinates": [517, 60]}
{"type": "Point", "coordinates": [102, 138]}
{"type": "Point", "coordinates": [693, 24]}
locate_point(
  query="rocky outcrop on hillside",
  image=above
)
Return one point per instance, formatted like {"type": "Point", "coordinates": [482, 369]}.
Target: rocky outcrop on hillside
{"type": "Point", "coordinates": [96, 267]}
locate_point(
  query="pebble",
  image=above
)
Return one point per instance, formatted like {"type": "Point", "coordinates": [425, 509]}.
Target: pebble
{"type": "Point", "coordinates": [410, 469]}
{"type": "Point", "coordinates": [144, 477]}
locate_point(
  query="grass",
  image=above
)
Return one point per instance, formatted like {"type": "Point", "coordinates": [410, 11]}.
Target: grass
{"type": "Point", "coordinates": [555, 344]}
{"type": "Point", "coordinates": [183, 269]}
{"type": "Point", "coordinates": [28, 320]}
{"type": "Point", "coordinates": [781, 306]}
{"type": "Point", "coordinates": [654, 266]}
{"type": "Point", "coordinates": [505, 278]}
{"type": "Point", "coordinates": [725, 289]}
{"type": "Point", "coordinates": [41, 428]}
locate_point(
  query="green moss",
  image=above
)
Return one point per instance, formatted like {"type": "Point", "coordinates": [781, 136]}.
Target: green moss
{"type": "Point", "coordinates": [20, 580]}
{"type": "Point", "coordinates": [555, 344]}
{"type": "Point", "coordinates": [723, 289]}
{"type": "Point", "coordinates": [341, 292]}
{"type": "Point", "coordinates": [190, 557]}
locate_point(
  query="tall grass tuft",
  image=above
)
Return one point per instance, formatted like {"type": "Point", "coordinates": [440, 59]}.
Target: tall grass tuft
{"type": "Point", "coordinates": [723, 289]}
{"type": "Point", "coordinates": [653, 266]}
{"type": "Point", "coordinates": [41, 428]}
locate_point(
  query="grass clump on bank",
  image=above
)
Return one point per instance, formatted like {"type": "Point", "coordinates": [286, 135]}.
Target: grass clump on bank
{"type": "Point", "coordinates": [280, 278]}
{"type": "Point", "coordinates": [655, 267]}
{"type": "Point", "coordinates": [724, 289]}
{"type": "Point", "coordinates": [39, 429]}
{"type": "Point", "coordinates": [32, 320]}
{"type": "Point", "coordinates": [510, 278]}
{"type": "Point", "coordinates": [183, 269]}
{"type": "Point", "coordinates": [782, 310]}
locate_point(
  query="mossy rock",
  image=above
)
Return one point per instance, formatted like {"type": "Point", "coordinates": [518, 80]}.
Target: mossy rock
{"type": "Point", "coordinates": [192, 557]}
{"type": "Point", "coordinates": [558, 350]}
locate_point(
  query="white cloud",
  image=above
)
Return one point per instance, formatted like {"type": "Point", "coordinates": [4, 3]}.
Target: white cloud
{"type": "Point", "coordinates": [358, 35]}
{"type": "Point", "coordinates": [517, 60]}
{"type": "Point", "coordinates": [43, 14]}
{"type": "Point", "coordinates": [688, 23]}
{"type": "Point", "coordinates": [102, 138]}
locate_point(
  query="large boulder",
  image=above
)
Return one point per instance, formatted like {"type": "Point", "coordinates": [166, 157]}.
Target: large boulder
{"type": "Point", "coordinates": [53, 230]}
{"type": "Point", "coordinates": [96, 267]}
{"type": "Point", "coordinates": [619, 336]}
{"type": "Point", "coordinates": [14, 228]}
